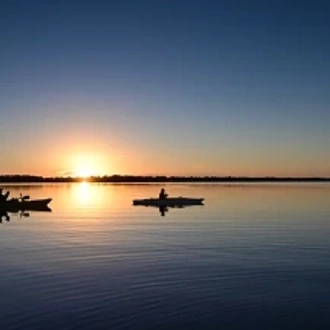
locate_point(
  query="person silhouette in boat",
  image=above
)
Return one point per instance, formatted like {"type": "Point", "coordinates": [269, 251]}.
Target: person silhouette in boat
{"type": "Point", "coordinates": [162, 194]}
{"type": "Point", "coordinates": [3, 197]}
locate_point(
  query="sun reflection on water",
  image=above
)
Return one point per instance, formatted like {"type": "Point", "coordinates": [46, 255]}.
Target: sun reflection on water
{"type": "Point", "coordinates": [90, 199]}
{"type": "Point", "coordinates": [86, 194]}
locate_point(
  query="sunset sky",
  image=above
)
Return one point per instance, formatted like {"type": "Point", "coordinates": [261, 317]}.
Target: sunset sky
{"type": "Point", "coordinates": [165, 87]}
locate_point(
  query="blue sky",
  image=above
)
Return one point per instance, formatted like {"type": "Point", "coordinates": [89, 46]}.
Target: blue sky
{"type": "Point", "coordinates": [166, 87]}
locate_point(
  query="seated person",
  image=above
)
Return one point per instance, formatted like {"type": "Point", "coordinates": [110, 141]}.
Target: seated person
{"type": "Point", "coordinates": [162, 194]}
{"type": "Point", "coordinates": [3, 198]}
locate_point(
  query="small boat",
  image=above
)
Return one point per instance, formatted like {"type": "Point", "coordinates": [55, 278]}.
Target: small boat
{"type": "Point", "coordinates": [169, 201]}
{"type": "Point", "coordinates": [21, 204]}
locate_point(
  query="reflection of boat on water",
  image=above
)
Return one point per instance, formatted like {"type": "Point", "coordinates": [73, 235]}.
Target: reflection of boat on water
{"type": "Point", "coordinates": [23, 206]}
{"type": "Point", "coordinates": [164, 209]}
{"type": "Point", "coordinates": [169, 201]}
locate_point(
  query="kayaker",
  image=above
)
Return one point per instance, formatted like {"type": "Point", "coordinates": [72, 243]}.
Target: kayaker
{"type": "Point", "coordinates": [3, 197]}
{"type": "Point", "coordinates": [162, 194]}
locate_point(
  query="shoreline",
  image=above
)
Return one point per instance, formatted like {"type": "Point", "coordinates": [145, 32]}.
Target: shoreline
{"type": "Point", "coordinates": [154, 179]}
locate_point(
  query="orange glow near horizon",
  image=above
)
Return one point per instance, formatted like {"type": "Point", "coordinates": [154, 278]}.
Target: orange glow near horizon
{"type": "Point", "coordinates": [87, 165]}
{"type": "Point", "coordinates": [75, 154]}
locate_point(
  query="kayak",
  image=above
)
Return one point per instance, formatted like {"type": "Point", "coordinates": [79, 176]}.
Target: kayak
{"type": "Point", "coordinates": [16, 204]}
{"type": "Point", "coordinates": [169, 201]}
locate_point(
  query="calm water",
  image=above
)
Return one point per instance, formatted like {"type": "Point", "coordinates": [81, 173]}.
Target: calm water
{"type": "Point", "coordinates": [253, 257]}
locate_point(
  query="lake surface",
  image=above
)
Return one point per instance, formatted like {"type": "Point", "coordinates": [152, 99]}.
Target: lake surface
{"type": "Point", "coordinates": [255, 256]}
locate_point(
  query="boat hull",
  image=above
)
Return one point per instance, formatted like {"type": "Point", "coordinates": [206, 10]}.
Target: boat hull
{"type": "Point", "coordinates": [169, 202]}
{"type": "Point", "coordinates": [15, 205]}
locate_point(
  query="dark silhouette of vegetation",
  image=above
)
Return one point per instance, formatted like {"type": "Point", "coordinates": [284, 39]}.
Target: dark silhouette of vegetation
{"type": "Point", "coordinates": [156, 179]}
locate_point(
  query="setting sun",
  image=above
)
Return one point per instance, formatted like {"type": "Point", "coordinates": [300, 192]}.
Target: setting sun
{"type": "Point", "coordinates": [84, 166]}
{"type": "Point", "coordinates": [85, 172]}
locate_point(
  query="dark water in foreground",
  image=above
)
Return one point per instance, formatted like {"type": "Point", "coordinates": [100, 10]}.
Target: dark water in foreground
{"type": "Point", "coordinates": [253, 257]}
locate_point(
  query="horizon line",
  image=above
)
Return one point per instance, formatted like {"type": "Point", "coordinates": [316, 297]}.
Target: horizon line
{"type": "Point", "coordinates": [30, 178]}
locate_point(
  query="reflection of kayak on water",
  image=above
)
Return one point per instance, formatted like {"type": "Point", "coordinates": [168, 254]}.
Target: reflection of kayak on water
{"type": "Point", "coordinates": [169, 201]}
{"type": "Point", "coordinates": [22, 206]}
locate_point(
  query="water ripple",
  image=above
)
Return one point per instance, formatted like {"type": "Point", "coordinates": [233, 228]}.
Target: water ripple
{"type": "Point", "coordinates": [247, 259]}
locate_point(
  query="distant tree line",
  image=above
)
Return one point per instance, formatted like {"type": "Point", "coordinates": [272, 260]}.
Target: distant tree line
{"type": "Point", "coordinates": [158, 178]}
